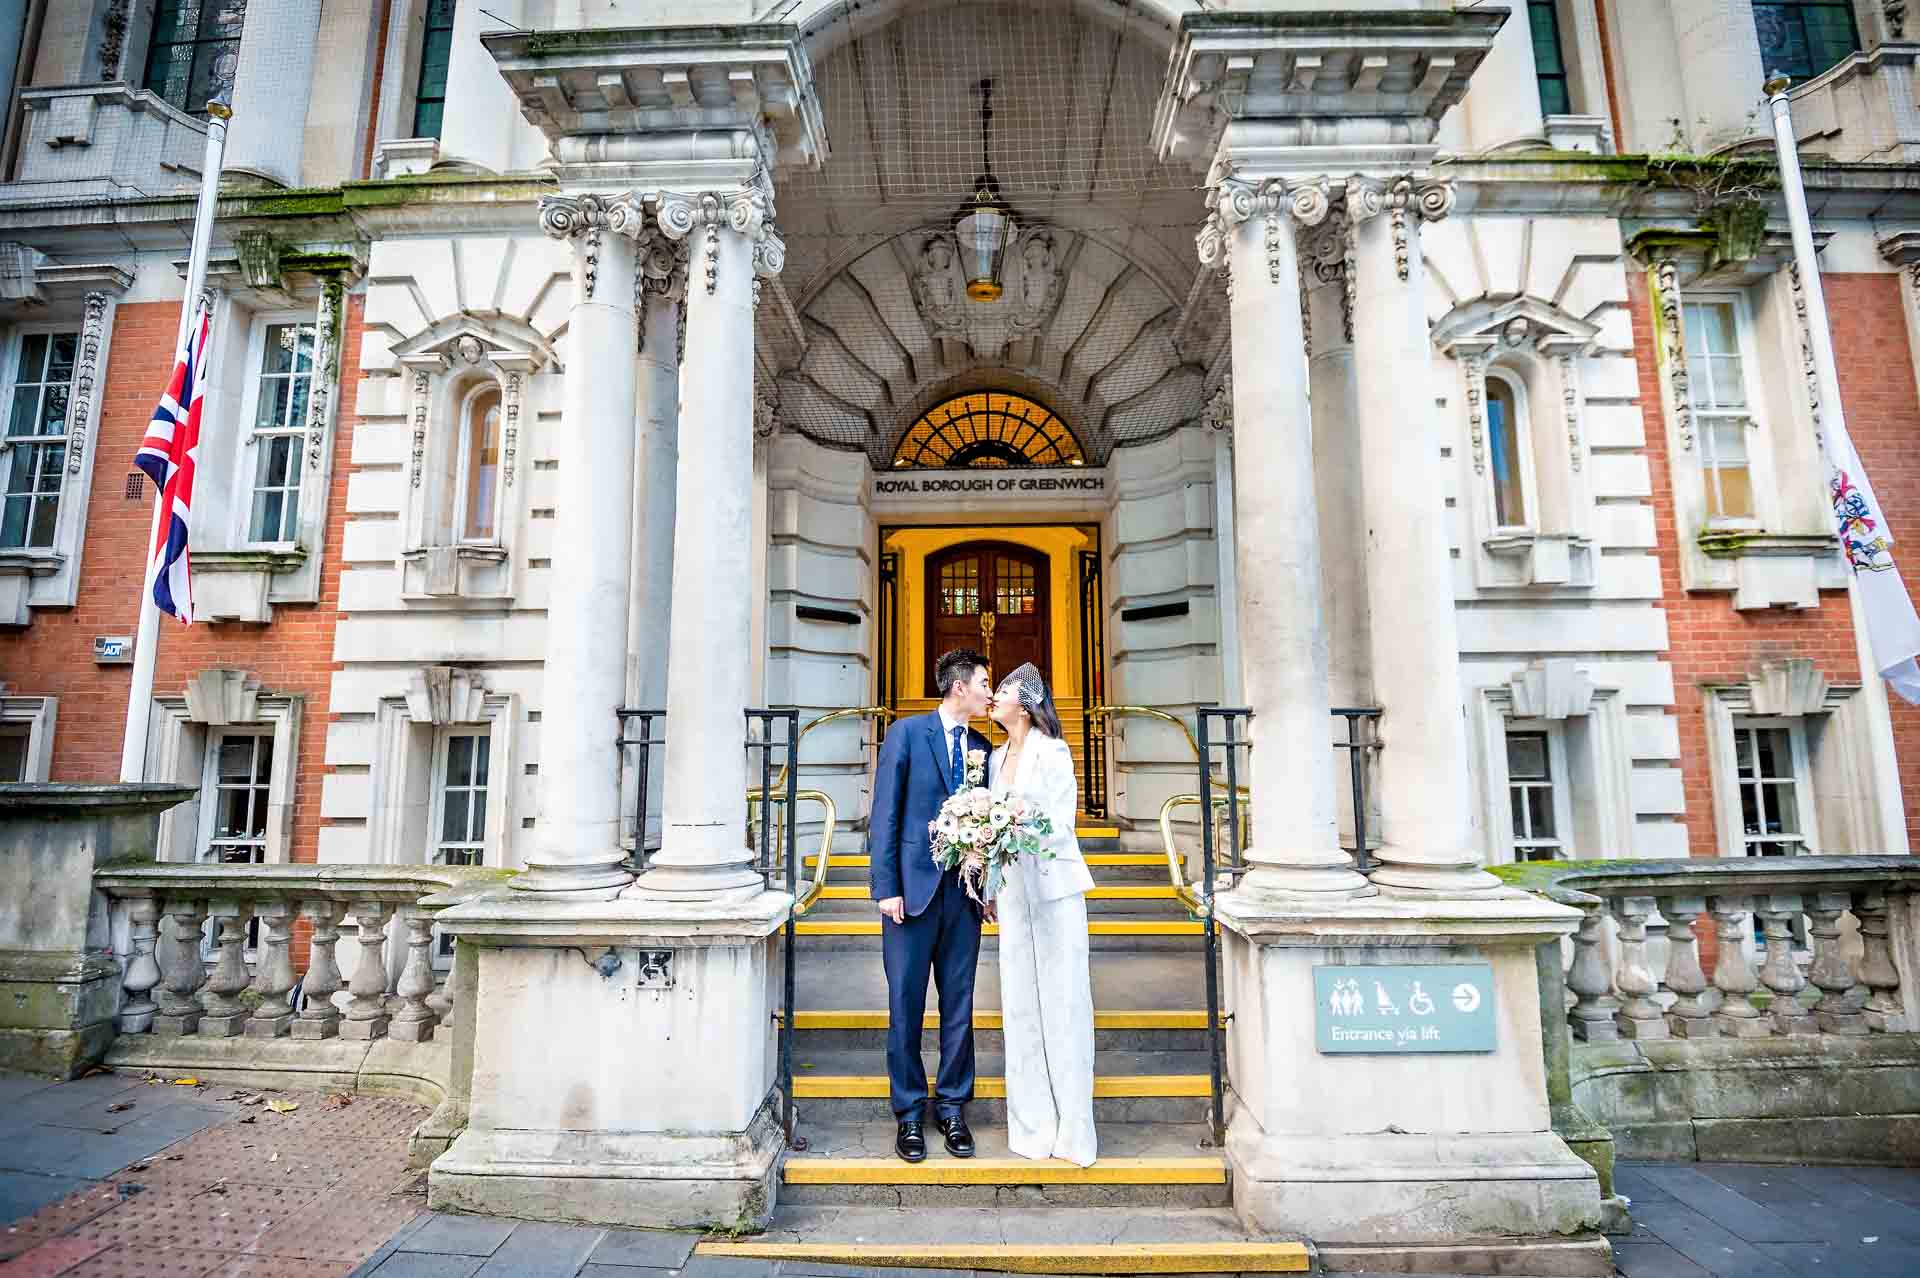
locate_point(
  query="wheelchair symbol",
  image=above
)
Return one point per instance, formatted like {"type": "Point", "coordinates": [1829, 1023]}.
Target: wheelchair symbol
{"type": "Point", "coordinates": [1466, 997]}
{"type": "Point", "coordinates": [1420, 1004]}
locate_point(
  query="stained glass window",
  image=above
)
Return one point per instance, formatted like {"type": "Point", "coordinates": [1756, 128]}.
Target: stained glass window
{"type": "Point", "coordinates": [193, 51]}
{"type": "Point", "coordinates": [1804, 37]}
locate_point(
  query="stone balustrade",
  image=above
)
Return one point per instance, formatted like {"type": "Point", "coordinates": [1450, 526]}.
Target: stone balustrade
{"type": "Point", "coordinates": [168, 986]}
{"type": "Point", "coordinates": [1862, 108]}
{"type": "Point", "coordinates": [1802, 946]}
{"type": "Point", "coordinates": [104, 140]}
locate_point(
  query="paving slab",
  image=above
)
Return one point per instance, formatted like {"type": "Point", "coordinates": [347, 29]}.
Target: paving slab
{"type": "Point", "coordinates": [1653, 1259]}
{"type": "Point", "coordinates": [1725, 1206]}
{"type": "Point", "coordinates": [418, 1264]}
{"type": "Point", "coordinates": [644, 1248]}
{"type": "Point", "coordinates": [23, 1193]}
{"type": "Point", "coordinates": [1843, 1260]}
{"type": "Point", "coordinates": [456, 1235]}
{"type": "Point", "coordinates": [538, 1250]}
{"type": "Point", "coordinates": [1706, 1244]}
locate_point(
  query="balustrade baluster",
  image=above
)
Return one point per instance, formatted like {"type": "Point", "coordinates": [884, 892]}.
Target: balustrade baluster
{"type": "Point", "coordinates": [320, 1018]}
{"type": "Point", "coordinates": [1883, 1010]}
{"type": "Point", "coordinates": [1831, 973]}
{"type": "Point", "coordinates": [1691, 1015]}
{"type": "Point", "coordinates": [367, 1012]}
{"type": "Point", "coordinates": [413, 1023]}
{"type": "Point", "coordinates": [143, 972]}
{"type": "Point", "coordinates": [1639, 1017]}
{"type": "Point", "coordinates": [226, 1010]}
{"type": "Point", "coordinates": [185, 973]}
{"type": "Point", "coordinates": [273, 971]}
{"type": "Point", "coordinates": [1591, 982]}
{"type": "Point", "coordinates": [1733, 975]}
{"type": "Point", "coordinates": [1780, 971]}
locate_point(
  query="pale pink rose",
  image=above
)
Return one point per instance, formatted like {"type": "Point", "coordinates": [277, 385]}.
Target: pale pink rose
{"type": "Point", "coordinates": [980, 802]}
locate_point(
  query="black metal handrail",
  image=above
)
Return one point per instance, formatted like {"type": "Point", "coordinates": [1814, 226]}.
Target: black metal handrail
{"type": "Point", "coordinates": [1358, 745]}
{"type": "Point", "coordinates": [640, 722]}
{"type": "Point", "coordinates": [1220, 727]}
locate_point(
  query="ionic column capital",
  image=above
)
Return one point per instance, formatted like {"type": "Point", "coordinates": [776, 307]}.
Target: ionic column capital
{"type": "Point", "coordinates": [746, 211]}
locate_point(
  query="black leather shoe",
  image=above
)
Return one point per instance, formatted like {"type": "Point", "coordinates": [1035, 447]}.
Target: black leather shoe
{"type": "Point", "coordinates": [909, 1143]}
{"type": "Point", "coordinates": [959, 1138]}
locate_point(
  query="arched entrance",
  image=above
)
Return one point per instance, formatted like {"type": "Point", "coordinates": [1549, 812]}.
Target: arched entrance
{"type": "Point", "coordinates": [990, 595]}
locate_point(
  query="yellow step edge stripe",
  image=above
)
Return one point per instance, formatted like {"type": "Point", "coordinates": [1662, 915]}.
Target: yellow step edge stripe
{"type": "Point", "coordinates": [1098, 860]}
{"type": "Point", "coordinates": [1054, 1258]}
{"type": "Point", "coordinates": [1113, 1087]}
{"type": "Point", "coordinates": [1095, 927]}
{"type": "Point", "coordinates": [990, 1020]}
{"type": "Point", "coordinates": [1106, 892]}
{"type": "Point", "coordinates": [1004, 1171]}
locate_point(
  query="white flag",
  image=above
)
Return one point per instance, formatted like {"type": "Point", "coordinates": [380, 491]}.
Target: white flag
{"type": "Point", "coordinates": [1893, 629]}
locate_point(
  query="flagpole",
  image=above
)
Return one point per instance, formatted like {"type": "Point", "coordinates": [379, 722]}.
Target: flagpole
{"type": "Point", "coordinates": [146, 642]}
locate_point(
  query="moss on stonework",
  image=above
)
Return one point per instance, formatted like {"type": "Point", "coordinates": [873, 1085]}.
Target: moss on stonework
{"type": "Point", "coordinates": [316, 202]}
{"type": "Point", "coordinates": [1720, 544]}
{"type": "Point", "coordinates": [1537, 876]}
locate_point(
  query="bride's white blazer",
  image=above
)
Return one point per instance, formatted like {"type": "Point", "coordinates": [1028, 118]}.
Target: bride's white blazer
{"type": "Point", "coordinates": [1046, 777]}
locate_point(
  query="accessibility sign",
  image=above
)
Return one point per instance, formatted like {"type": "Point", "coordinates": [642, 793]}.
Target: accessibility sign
{"type": "Point", "coordinates": [1395, 1010]}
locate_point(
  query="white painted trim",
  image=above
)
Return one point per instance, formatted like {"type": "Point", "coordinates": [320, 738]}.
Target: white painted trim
{"type": "Point", "coordinates": [405, 782]}
{"type": "Point", "coordinates": [39, 714]}
{"type": "Point", "coordinates": [177, 751]}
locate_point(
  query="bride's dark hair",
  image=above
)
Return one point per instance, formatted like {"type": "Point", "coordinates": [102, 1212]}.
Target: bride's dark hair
{"type": "Point", "coordinates": [1037, 697]}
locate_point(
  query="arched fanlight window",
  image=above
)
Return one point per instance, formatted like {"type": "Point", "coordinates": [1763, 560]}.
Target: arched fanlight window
{"type": "Point", "coordinates": [1507, 443]}
{"type": "Point", "coordinates": [479, 478]}
{"type": "Point", "coordinates": [988, 429]}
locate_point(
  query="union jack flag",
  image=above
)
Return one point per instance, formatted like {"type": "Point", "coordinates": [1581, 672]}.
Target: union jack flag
{"type": "Point", "coordinates": [168, 455]}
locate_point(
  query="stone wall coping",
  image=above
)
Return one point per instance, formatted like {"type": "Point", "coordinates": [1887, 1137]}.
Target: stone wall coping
{"type": "Point", "coordinates": [1483, 921]}
{"type": "Point", "coordinates": [58, 799]}
{"type": "Point", "coordinates": [504, 916]}
{"type": "Point", "coordinates": [1581, 883]}
{"type": "Point", "coordinates": [440, 885]}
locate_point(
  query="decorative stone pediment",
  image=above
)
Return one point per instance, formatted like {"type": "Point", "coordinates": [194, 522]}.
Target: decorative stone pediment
{"type": "Point", "coordinates": [223, 696]}
{"type": "Point", "coordinates": [446, 694]}
{"type": "Point", "coordinates": [1488, 326]}
{"type": "Point", "coordinates": [30, 282]}
{"type": "Point", "coordinates": [1789, 688]}
{"type": "Point", "coordinates": [469, 341]}
{"type": "Point", "coordinates": [1556, 688]}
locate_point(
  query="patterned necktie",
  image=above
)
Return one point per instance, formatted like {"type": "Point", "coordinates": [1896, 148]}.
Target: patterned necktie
{"type": "Point", "coordinates": [958, 760]}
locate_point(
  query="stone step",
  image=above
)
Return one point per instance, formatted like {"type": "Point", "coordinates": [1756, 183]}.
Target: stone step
{"type": "Point", "coordinates": [1156, 1165]}
{"type": "Point", "coordinates": [866, 1031]}
{"type": "Point", "coordinates": [1128, 1086]}
{"type": "Point", "coordinates": [1106, 1240]}
{"type": "Point", "coordinates": [859, 929]}
{"type": "Point", "coordinates": [1107, 867]}
{"type": "Point", "coordinates": [1105, 898]}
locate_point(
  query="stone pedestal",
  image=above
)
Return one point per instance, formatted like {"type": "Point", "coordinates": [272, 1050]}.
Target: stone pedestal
{"type": "Point", "coordinates": [59, 983]}
{"type": "Point", "coordinates": [1394, 1148]}
{"type": "Point", "coordinates": [624, 1062]}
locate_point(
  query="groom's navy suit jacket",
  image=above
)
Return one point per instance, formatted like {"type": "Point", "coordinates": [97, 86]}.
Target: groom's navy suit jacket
{"type": "Point", "coordinates": [912, 780]}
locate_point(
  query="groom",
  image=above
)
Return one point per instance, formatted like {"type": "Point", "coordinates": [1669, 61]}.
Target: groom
{"type": "Point", "coordinates": [928, 924]}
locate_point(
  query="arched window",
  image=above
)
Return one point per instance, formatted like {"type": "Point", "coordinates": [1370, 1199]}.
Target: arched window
{"type": "Point", "coordinates": [988, 429]}
{"type": "Point", "coordinates": [1507, 447]}
{"type": "Point", "coordinates": [479, 477]}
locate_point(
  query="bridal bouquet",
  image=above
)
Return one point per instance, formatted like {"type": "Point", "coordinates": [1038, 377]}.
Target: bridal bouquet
{"type": "Point", "coordinates": [983, 835]}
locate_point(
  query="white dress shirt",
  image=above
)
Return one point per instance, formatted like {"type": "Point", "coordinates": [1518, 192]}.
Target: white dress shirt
{"type": "Point", "coordinates": [947, 724]}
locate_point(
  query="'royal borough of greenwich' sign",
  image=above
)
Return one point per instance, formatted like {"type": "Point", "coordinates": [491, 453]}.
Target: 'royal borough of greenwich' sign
{"type": "Point", "coordinates": [997, 484]}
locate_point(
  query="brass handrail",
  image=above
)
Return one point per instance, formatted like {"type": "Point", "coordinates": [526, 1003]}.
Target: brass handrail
{"type": "Point", "coordinates": [1148, 712]}
{"type": "Point", "coordinates": [886, 715]}
{"type": "Point", "coordinates": [830, 820]}
{"type": "Point", "coordinates": [1180, 886]}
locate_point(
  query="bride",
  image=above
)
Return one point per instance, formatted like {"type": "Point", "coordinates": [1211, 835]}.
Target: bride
{"type": "Point", "coordinates": [1046, 994]}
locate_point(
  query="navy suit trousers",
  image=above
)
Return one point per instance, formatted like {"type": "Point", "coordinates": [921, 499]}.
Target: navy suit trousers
{"type": "Point", "coordinates": [942, 942]}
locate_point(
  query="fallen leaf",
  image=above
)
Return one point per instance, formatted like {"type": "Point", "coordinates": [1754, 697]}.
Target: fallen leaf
{"type": "Point", "coordinates": [142, 1165]}
{"type": "Point", "coordinates": [338, 1100]}
{"type": "Point", "coordinates": [250, 1118]}
{"type": "Point", "coordinates": [188, 1081]}
{"type": "Point", "coordinates": [217, 1189]}
{"type": "Point", "coordinates": [283, 1107]}
{"type": "Point", "coordinates": [274, 1157]}
{"type": "Point", "coordinates": [119, 1107]}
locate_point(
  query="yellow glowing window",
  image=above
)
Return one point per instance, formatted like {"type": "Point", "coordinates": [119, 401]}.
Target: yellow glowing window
{"type": "Point", "coordinates": [988, 428]}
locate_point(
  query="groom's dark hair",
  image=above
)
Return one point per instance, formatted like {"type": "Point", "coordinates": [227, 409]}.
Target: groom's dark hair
{"type": "Point", "coordinates": [955, 667]}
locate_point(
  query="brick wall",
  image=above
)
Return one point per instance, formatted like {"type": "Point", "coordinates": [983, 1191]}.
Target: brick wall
{"type": "Point", "coordinates": [1883, 416]}
{"type": "Point", "coordinates": [291, 655]}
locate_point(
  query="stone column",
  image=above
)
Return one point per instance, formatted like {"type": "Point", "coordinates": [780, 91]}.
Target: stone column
{"type": "Point", "coordinates": [703, 850]}
{"type": "Point", "coordinates": [577, 842]}
{"type": "Point", "coordinates": [1296, 848]}
{"type": "Point", "coordinates": [482, 126]}
{"type": "Point", "coordinates": [659, 293]}
{"type": "Point", "coordinates": [272, 86]}
{"type": "Point", "coordinates": [1719, 48]}
{"type": "Point", "coordinates": [1427, 843]}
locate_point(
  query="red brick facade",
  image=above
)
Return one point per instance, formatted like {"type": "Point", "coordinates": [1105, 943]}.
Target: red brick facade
{"type": "Point", "coordinates": [292, 655]}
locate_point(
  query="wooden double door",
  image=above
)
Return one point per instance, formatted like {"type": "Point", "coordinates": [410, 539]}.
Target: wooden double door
{"type": "Point", "coordinates": [992, 596]}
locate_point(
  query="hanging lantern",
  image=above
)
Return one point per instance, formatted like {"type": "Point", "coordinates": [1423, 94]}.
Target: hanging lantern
{"type": "Point", "coordinates": [984, 226]}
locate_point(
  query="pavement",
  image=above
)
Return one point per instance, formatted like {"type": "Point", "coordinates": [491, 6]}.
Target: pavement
{"type": "Point", "coordinates": [116, 1175]}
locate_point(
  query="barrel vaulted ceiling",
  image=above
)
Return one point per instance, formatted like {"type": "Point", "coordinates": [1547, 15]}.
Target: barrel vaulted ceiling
{"type": "Point", "coordinates": [1101, 319]}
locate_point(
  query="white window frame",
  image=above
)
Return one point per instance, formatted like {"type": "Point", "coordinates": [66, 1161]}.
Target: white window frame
{"type": "Point", "coordinates": [407, 764]}
{"type": "Point", "coordinates": [38, 714]}
{"type": "Point", "coordinates": [254, 438]}
{"type": "Point", "coordinates": [206, 852]}
{"type": "Point", "coordinates": [1802, 779]}
{"type": "Point", "coordinates": [1559, 784]}
{"type": "Point", "coordinates": [465, 427]}
{"type": "Point", "coordinates": [443, 741]}
{"type": "Point", "coordinates": [250, 439]}
{"type": "Point", "coordinates": [178, 745]}
{"type": "Point", "coordinates": [1759, 467]}
{"type": "Point", "coordinates": [1523, 455]}
{"type": "Point", "coordinates": [14, 446]}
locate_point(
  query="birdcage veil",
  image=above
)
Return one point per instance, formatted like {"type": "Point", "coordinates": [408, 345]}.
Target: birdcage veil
{"type": "Point", "coordinates": [1032, 690]}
